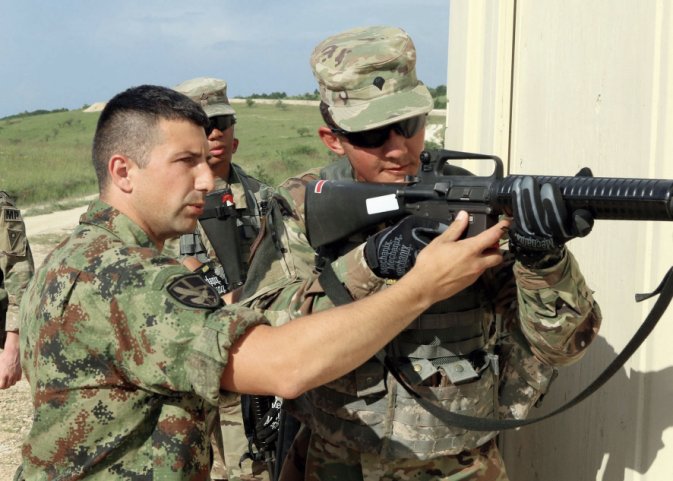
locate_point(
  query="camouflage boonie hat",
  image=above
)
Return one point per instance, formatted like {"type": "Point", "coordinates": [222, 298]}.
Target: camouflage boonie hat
{"type": "Point", "coordinates": [210, 93]}
{"type": "Point", "coordinates": [367, 77]}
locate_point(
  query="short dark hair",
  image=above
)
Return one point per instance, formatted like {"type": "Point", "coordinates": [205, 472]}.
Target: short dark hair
{"type": "Point", "coordinates": [128, 124]}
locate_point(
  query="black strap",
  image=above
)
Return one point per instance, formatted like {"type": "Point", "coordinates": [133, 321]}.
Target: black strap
{"type": "Point", "coordinates": [333, 287]}
{"type": "Point", "coordinates": [335, 291]}
{"type": "Point", "coordinates": [665, 291]}
{"type": "Point", "coordinates": [339, 296]}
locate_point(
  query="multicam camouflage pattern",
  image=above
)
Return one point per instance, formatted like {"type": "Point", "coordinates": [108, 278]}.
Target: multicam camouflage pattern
{"type": "Point", "coordinates": [367, 76]}
{"type": "Point", "coordinates": [16, 264]}
{"type": "Point", "coordinates": [563, 319]}
{"type": "Point", "coordinates": [210, 93]}
{"type": "Point", "coordinates": [518, 299]}
{"type": "Point", "coordinates": [282, 275]}
{"type": "Point", "coordinates": [228, 462]}
{"type": "Point", "coordinates": [124, 376]}
{"type": "Point", "coordinates": [231, 443]}
{"type": "Point", "coordinates": [326, 460]}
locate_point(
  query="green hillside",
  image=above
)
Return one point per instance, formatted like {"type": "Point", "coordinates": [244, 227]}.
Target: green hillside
{"type": "Point", "coordinates": [45, 159]}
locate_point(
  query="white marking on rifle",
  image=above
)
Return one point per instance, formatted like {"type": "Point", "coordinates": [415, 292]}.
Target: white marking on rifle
{"type": "Point", "coordinates": [383, 203]}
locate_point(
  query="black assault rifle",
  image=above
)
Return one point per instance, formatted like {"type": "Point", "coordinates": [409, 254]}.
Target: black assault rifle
{"type": "Point", "coordinates": [335, 210]}
{"type": "Point", "coordinates": [338, 209]}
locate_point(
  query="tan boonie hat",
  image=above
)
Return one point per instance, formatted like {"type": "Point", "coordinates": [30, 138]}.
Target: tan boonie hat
{"type": "Point", "coordinates": [210, 93]}
{"type": "Point", "coordinates": [367, 76]}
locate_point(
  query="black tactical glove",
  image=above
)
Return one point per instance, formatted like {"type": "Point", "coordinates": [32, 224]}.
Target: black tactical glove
{"type": "Point", "coordinates": [392, 252]}
{"type": "Point", "coordinates": [542, 223]}
{"type": "Point", "coordinates": [266, 428]}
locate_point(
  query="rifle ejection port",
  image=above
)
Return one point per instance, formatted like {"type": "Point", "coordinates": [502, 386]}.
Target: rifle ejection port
{"type": "Point", "coordinates": [467, 193]}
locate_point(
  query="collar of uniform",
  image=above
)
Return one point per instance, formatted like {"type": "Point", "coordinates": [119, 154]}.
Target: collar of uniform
{"type": "Point", "coordinates": [103, 215]}
{"type": "Point", "coordinates": [340, 169]}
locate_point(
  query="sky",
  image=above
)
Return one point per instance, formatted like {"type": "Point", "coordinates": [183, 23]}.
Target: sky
{"type": "Point", "coordinates": [68, 53]}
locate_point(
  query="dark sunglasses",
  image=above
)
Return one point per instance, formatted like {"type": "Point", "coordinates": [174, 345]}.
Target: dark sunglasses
{"type": "Point", "coordinates": [220, 122]}
{"type": "Point", "coordinates": [377, 137]}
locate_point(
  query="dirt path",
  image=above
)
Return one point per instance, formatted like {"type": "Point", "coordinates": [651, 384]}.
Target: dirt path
{"type": "Point", "coordinates": [44, 232]}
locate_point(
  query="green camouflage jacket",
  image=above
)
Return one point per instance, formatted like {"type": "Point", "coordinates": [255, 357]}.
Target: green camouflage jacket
{"type": "Point", "coordinates": [16, 264]}
{"type": "Point", "coordinates": [547, 318]}
{"type": "Point", "coordinates": [124, 350]}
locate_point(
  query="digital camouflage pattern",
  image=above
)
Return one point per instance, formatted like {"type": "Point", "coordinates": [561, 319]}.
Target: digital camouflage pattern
{"type": "Point", "coordinates": [518, 301]}
{"type": "Point", "coordinates": [367, 76]}
{"type": "Point", "coordinates": [124, 355]}
{"type": "Point", "coordinates": [249, 197]}
{"type": "Point", "coordinates": [231, 444]}
{"type": "Point", "coordinates": [16, 264]}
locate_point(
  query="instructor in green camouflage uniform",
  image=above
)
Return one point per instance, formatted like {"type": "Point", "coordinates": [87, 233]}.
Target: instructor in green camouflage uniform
{"type": "Point", "coordinates": [489, 351]}
{"type": "Point", "coordinates": [248, 196]}
{"type": "Point", "coordinates": [127, 351]}
{"type": "Point", "coordinates": [16, 269]}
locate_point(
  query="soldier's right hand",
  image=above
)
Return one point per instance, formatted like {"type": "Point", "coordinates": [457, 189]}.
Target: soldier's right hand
{"type": "Point", "coordinates": [449, 264]}
{"type": "Point", "coordinates": [392, 252]}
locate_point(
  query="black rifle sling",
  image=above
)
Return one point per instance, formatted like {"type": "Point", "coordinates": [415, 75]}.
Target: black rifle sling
{"type": "Point", "coordinates": [665, 292]}
{"type": "Point", "coordinates": [333, 287]}
{"type": "Point", "coordinates": [339, 296]}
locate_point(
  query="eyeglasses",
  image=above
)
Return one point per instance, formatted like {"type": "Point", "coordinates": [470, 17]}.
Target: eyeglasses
{"type": "Point", "coordinates": [377, 137]}
{"type": "Point", "coordinates": [220, 122]}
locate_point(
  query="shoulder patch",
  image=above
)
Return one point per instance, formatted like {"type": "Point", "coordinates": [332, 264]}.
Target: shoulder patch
{"type": "Point", "coordinates": [193, 291]}
{"type": "Point", "coordinates": [10, 214]}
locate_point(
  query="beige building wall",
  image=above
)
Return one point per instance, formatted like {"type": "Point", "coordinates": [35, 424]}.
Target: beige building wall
{"type": "Point", "coordinates": [553, 86]}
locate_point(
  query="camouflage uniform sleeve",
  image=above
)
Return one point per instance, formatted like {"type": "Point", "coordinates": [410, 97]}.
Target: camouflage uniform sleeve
{"type": "Point", "coordinates": [208, 359]}
{"type": "Point", "coordinates": [16, 262]}
{"type": "Point", "coordinates": [165, 337]}
{"type": "Point", "coordinates": [558, 314]}
{"type": "Point", "coordinates": [196, 340]}
{"type": "Point", "coordinates": [352, 270]}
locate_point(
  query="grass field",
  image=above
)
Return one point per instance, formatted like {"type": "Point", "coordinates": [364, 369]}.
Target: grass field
{"type": "Point", "coordinates": [45, 159]}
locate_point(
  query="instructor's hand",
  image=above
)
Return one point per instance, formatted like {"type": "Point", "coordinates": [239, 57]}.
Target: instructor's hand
{"type": "Point", "coordinates": [449, 264]}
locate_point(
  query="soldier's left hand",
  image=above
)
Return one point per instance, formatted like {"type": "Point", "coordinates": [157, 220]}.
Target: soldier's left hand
{"type": "Point", "coordinates": [542, 222]}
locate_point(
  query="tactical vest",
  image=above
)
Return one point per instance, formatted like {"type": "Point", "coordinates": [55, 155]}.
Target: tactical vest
{"type": "Point", "coordinates": [448, 354]}
{"type": "Point", "coordinates": [232, 236]}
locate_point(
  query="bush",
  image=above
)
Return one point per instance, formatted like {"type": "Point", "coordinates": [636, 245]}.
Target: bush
{"type": "Point", "coordinates": [260, 174]}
